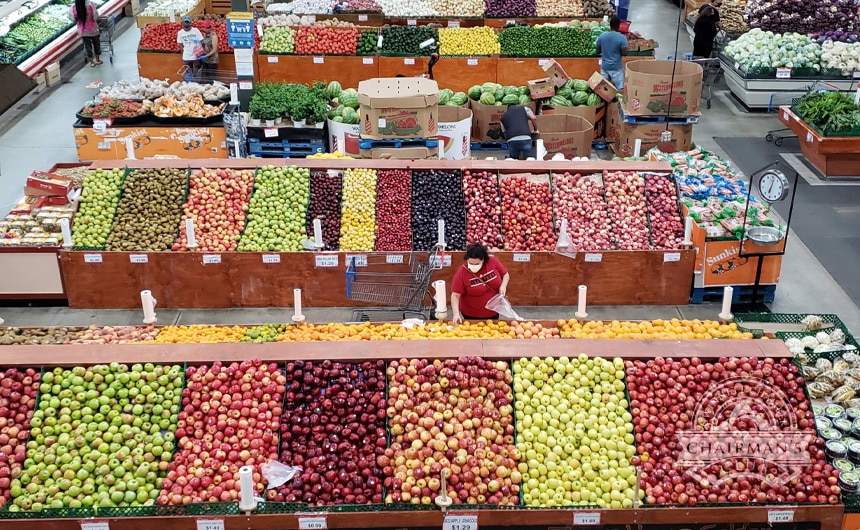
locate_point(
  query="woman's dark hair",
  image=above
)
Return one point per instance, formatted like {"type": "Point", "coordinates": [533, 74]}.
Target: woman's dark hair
{"type": "Point", "coordinates": [477, 251]}
{"type": "Point", "coordinates": [614, 23]}
{"type": "Point", "coordinates": [81, 11]}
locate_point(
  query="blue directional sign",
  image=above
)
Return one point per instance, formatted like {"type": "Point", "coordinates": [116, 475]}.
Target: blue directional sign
{"type": "Point", "coordinates": [240, 30]}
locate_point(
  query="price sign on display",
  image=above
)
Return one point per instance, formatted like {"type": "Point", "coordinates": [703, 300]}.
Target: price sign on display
{"type": "Point", "coordinates": [472, 62]}
{"type": "Point", "coordinates": [446, 261]}
{"type": "Point", "coordinates": [319, 60]}
{"type": "Point", "coordinates": [460, 521]}
{"type": "Point", "coordinates": [138, 258]}
{"type": "Point", "coordinates": [360, 259]}
{"type": "Point", "coordinates": [240, 30]}
{"type": "Point", "coordinates": [669, 257]}
{"type": "Point", "coordinates": [316, 522]}
{"type": "Point", "coordinates": [367, 60]}
{"type": "Point", "coordinates": [95, 525]}
{"type": "Point", "coordinates": [210, 524]}
{"type": "Point", "coordinates": [326, 260]}
{"type": "Point", "coordinates": [780, 516]}
{"type": "Point", "coordinates": [785, 115]}
{"type": "Point", "coordinates": [593, 258]}
{"type": "Point", "coordinates": [362, 18]}
{"type": "Point", "coordinates": [586, 518]}
{"type": "Point", "coordinates": [409, 60]}
{"type": "Point", "coordinates": [270, 132]}
{"type": "Point", "coordinates": [453, 23]}
{"type": "Point", "coordinates": [809, 137]}
{"type": "Point", "coordinates": [271, 258]}
{"type": "Point", "coordinates": [522, 258]}
{"type": "Point", "coordinates": [393, 259]}
{"type": "Point", "coordinates": [272, 59]}
{"type": "Point", "coordinates": [92, 258]}
{"type": "Point", "coordinates": [411, 22]}
{"type": "Point", "coordinates": [211, 259]}
{"type": "Point", "coordinates": [100, 125]}
{"type": "Point", "coordinates": [542, 62]}
{"type": "Point", "coordinates": [783, 73]}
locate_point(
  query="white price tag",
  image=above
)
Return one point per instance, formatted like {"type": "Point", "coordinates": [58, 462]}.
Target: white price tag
{"type": "Point", "coordinates": [326, 260]}
{"type": "Point", "coordinates": [780, 516]}
{"type": "Point", "coordinates": [460, 521]}
{"type": "Point", "coordinates": [271, 258]}
{"type": "Point", "coordinates": [381, 123]}
{"type": "Point", "coordinates": [785, 115]}
{"type": "Point", "coordinates": [809, 137]}
{"type": "Point", "coordinates": [856, 75]}
{"type": "Point", "coordinates": [671, 256]}
{"type": "Point", "coordinates": [392, 259]}
{"type": "Point", "coordinates": [360, 259]}
{"type": "Point", "coordinates": [411, 22]}
{"type": "Point", "coordinates": [319, 60]}
{"type": "Point", "coordinates": [362, 18]}
{"type": "Point", "coordinates": [210, 524]}
{"type": "Point", "coordinates": [522, 258]}
{"type": "Point", "coordinates": [100, 126]}
{"type": "Point", "coordinates": [542, 62]}
{"type": "Point", "coordinates": [586, 518]}
{"type": "Point", "coordinates": [272, 59]}
{"type": "Point", "coordinates": [507, 22]}
{"type": "Point", "coordinates": [446, 261]}
{"type": "Point", "coordinates": [210, 259]}
{"type": "Point", "coordinates": [138, 258]}
{"type": "Point", "coordinates": [783, 73]}
{"type": "Point", "coordinates": [737, 65]}
{"type": "Point", "coordinates": [95, 525]}
{"type": "Point", "coordinates": [104, 146]}
{"type": "Point", "coordinates": [472, 62]}
{"type": "Point", "coordinates": [367, 60]}
{"type": "Point", "coordinates": [453, 23]}
{"type": "Point", "coordinates": [260, 30]}
{"type": "Point", "coordinates": [270, 132]}
{"type": "Point", "coordinates": [317, 522]}
{"type": "Point", "coordinates": [246, 85]}
{"type": "Point", "coordinates": [92, 258]}
{"type": "Point", "coordinates": [408, 60]}
{"type": "Point", "coordinates": [593, 258]}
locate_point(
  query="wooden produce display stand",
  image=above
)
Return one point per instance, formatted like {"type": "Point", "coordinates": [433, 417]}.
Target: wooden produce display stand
{"type": "Point", "coordinates": [247, 279]}
{"type": "Point", "coordinates": [151, 139]}
{"type": "Point", "coordinates": [348, 70]}
{"type": "Point", "coordinates": [166, 65]}
{"type": "Point", "coordinates": [515, 71]}
{"type": "Point", "coordinates": [821, 517]}
{"type": "Point", "coordinates": [30, 273]}
{"type": "Point", "coordinates": [833, 156]}
{"type": "Point", "coordinates": [198, 9]}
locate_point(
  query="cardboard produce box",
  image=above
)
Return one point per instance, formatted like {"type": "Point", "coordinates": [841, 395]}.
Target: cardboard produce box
{"type": "Point", "coordinates": [613, 123]}
{"type": "Point", "coordinates": [602, 87]}
{"type": "Point", "coordinates": [595, 115]}
{"type": "Point", "coordinates": [487, 121]}
{"type": "Point", "coordinates": [401, 153]}
{"type": "Point", "coordinates": [344, 137]}
{"type": "Point", "coordinates": [398, 107]}
{"type": "Point", "coordinates": [41, 183]}
{"type": "Point", "coordinates": [649, 87]}
{"type": "Point", "coordinates": [566, 134]}
{"type": "Point", "coordinates": [555, 72]}
{"type": "Point", "coordinates": [455, 129]}
{"type": "Point", "coordinates": [52, 74]}
{"type": "Point", "coordinates": [541, 88]}
{"type": "Point", "coordinates": [649, 133]}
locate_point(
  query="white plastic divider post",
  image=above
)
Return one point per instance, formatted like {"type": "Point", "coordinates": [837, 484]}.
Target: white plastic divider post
{"type": "Point", "coordinates": [637, 148]}
{"type": "Point", "coordinates": [441, 299]}
{"type": "Point", "coordinates": [67, 233]}
{"type": "Point", "coordinates": [440, 233]}
{"type": "Point", "coordinates": [297, 306]}
{"type": "Point", "coordinates": [581, 302]}
{"type": "Point", "coordinates": [688, 231]}
{"type": "Point", "coordinates": [247, 502]}
{"type": "Point", "coordinates": [190, 234]}
{"type": "Point", "coordinates": [726, 313]}
{"type": "Point", "coordinates": [147, 302]}
{"type": "Point", "coordinates": [318, 234]}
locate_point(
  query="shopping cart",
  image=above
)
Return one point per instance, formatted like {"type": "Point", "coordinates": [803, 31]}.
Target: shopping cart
{"type": "Point", "coordinates": [405, 293]}
{"type": "Point", "coordinates": [218, 76]}
{"type": "Point", "coordinates": [107, 25]}
{"type": "Point", "coordinates": [711, 74]}
{"type": "Point", "coordinates": [778, 135]}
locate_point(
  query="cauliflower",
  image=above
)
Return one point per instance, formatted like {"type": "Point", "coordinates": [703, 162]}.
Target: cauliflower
{"type": "Point", "coordinates": [822, 337]}
{"type": "Point", "coordinates": [793, 342]}
{"type": "Point", "coordinates": [812, 322]}
{"type": "Point", "coordinates": [837, 336]}
{"type": "Point", "coordinates": [797, 350]}
{"type": "Point", "coordinates": [810, 343]}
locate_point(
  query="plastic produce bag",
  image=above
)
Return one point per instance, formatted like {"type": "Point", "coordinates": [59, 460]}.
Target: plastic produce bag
{"type": "Point", "coordinates": [500, 305]}
{"type": "Point", "coordinates": [565, 246]}
{"type": "Point", "coordinates": [278, 474]}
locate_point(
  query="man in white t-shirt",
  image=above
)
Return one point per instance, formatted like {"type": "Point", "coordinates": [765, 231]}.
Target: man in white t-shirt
{"type": "Point", "coordinates": [189, 38]}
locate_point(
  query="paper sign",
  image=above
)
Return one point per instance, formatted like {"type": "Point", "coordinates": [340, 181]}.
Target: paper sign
{"type": "Point", "coordinates": [104, 146]}
{"type": "Point", "coordinates": [367, 60]}
{"type": "Point", "coordinates": [272, 59]}
{"type": "Point", "coordinates": [411, 22]}
{"type": "Point", "coordinates": [326, 260]}
{"type": "Point", "coordinates": [593, 258]}
{"type": "Point", "coordinates": [472, 62]}
{"type": "Point", "coordinates": [586, 518]}
{"type": "Point", "coordinates": [243, 55]}
{"type": "Point", "coordinates": [259, 30]}
{"type": "Point", "coordinates": [362, 18]}
{"type": "Point", "coordinates": [408, 60]}
{"type": "Point", "coordinates": [737, 65]}
{"type": "Point", "coordinates": [360, 259]}
{"type": "Point", "coordinates": [319, 60]}
{"type": "Point", "coordinates": [138, 258]}
{"type": "Point", "coordinates": [211, 258]}
{"type": "Point", "coordinates": [809, 137]}
{"type": "Point", "coordinates": [95, 525]}
{"type": "Point", "coordinates": [446, 261]}
{"type": "Point", "coordinates": [210, 524]}
{"type": "Point", "coordinates": [381, 123]}
{"type": "Point", "coordinates": [92, 258]}
{"type": "Point", "coordinates": [671, 256]}
{"type": "Point", "coordinates": [453, 23]}
{"type": "Point", "coordinates": [542, 62]}
{"type": "Point", "coordinates": [783, 73]}
{"type": "Point", "coordinates": [271, 258]}
{"type": "Point", "coordinates": [270, 132]}
{"type": "Point", "coordinates": [100, 126]}
{"type": "Point", "coordinates": [313, 523]}
{"type": "Point", "coordinates": [171, 15]}
{"type": "Point", "coordinates": [393, 258]}
{"type": "Point", "coordinates": [508, 22]}
{"type": "Point", "coordinates": [856, 75]}
{"type": "Point", "coordinates": [246, 69]}
{"type": "Point", "coordinates": [462, 521]}
{"type": "Point", "coordinates": [780, 516]}
{"type": "Point", "coordinates": [522, 258]}
{"type": "Point", "coordinates": [785, 115]}
{"type": "Point", "coordinates": [246, 85]}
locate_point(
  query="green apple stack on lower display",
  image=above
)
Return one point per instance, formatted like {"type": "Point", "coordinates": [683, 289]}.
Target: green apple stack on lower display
{"type": "Point", "coordinates": [574, 432]}
{"type": "Point", "coordinates": [101, 436]}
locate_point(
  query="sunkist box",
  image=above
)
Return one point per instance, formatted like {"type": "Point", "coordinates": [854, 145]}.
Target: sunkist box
{"type": "Point", "coordinates": [593, 113]}
{"type": "Point", "coordinates": [649, 133]}
{"type": "Point", "coordinates": [455, 129]}
{"type": "Point", "coordinates": [487, 121]}
{"type": "Point", "coordinates": [662, 87]}
{"type": "Point", "coordinates": [398, 107]}
{"type": "Point", "coordinates": [566, 134]}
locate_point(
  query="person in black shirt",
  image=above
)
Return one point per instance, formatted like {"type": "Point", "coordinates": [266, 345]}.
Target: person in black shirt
{"type": "Point", "coordinates": [515, 125]}
{"type": "Point", "coordinates": [715, 5]}
{"type": "Point", "coordinates": [705, 30]}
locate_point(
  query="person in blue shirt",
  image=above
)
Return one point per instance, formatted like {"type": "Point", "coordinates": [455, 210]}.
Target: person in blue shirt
{"type": "Point", "coordinates": [611, 46]}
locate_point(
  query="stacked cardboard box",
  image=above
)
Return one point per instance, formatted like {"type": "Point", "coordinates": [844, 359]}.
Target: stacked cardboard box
{"type": "Point", "coordinates": [399, 109]}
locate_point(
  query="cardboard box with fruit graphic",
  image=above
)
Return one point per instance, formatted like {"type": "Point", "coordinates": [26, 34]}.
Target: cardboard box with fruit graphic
{"type": "Point", "coordinates": [662, 87]}
{"type": "Point", "coordinates": [398, 108]}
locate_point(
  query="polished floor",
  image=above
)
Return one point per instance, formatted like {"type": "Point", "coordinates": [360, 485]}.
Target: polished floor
{"type": "Point", "coordinates": [38, 133]}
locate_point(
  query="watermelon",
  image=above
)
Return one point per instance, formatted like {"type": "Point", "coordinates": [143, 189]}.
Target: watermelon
{"type": "Point", "coordinates": [523, 91]}
{"type": "Point", "coordinates": [511, 90]}
{"type": "Point", "coordinates": [338, 119]}
{"type": "Point", "coordinates": [558, 101]}
{"type": "Point", "coordinates": [525, 100]}
{"type": "Point", "coordinates": [349, 101]}
{"type": "Point", "coordinates": [444, 95]}
{"type": "Point", "coordinates": [579, 98]}
{"type": "Point", "coordinates": [491, 86]}
{"type": "Point", "coordinates": [487, 99]}
{"type": "Point", "coordinates": [350, 116]}
{"type": "Point", "coordinates": [498, 103]}
{"type": "Point", "coordinates": [334, 89]}
{"type": "Point", "coordinates": [580, 85]}
{"type": "Point", "coordinates": [475, 92]}
{"type": "Point", "coordinates": [563, 92]}
{"type": "Point", "coordinates": [511, 99]}
{"type": "Point", "coordinates": [459, 98]}
{"type": "Point", "coordinates": [569, 84]}
{"type": "Point", "coordinates": [593, 99]}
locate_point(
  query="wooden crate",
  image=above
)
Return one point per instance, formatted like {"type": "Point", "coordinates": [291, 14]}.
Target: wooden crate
{"type": "Point", "coordinates": [833, 156]}
{"type": "Point", "coordinates": [166, 65]}
{"type": "Point", "coordinates": [143, 21]}
{"type": "Point", "coordinates": [348, 70]}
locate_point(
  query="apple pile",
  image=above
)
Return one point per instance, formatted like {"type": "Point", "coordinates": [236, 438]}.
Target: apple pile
{"type": "Point", "coordinates": [667, 231]}
{"type": "Point", "coordinates": [230, 418]}
{"type": "Point", "coordinates": [216, 202]}
{"type": "Point", "coordinates": [453, 414]}
{"type": "Point", "coordinates": [18, 392]}
{"type": "Point", "coordinates": [101, 436]}
{"type": "Point", "coordinates": [669, 397]}
{"type": "Point", "coordinates": [580, 200]}
{"type": "Point", "coordinates": [276, 213]}
{"type": "Point", "coordinates": [527, 214]}
{"type": "Point", "coordinates": [575, 432]}
{"type": "Point", "coordinates": [483, 208]}
{"type": "Point", "coordinates": [437, 195]}
{"type": "Point", "coordinates": [334, 429]}
{"type": "Point", "coordinates": [326, 194]}
{"type": "Point", "coordinates": [393, 211]}
{"type": "Point", "coordinates": [625, 198]}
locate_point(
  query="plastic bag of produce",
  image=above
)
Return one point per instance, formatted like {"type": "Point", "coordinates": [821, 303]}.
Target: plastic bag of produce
{"type": "Point", "coordinates": [500, 305]}
{"type": "Point", "coordinates": [565, 245]}
{"type": "Point", "coordinates": [278, 474]}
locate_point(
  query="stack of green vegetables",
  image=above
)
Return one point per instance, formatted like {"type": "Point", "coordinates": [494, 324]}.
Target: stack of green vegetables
{"type": "Point", "coordinates": [33, 32]}
{"type": "Point", "coordinates": [831, 113]}
{"type": "Point", "coordinates": [546, 41]}
{"type": "Point", "coordinates": [407, 40]}
{"type": "Point", "coordinates": [574, 93]}
{"type": "Point", "coordinates": [296, 101]}
{"type": "Point", "coordinates": [344, 104]}
{"type": "Point", "coordinates": [498, 95]}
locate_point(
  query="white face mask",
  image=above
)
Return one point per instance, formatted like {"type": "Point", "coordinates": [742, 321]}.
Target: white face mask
{"type": "Point", "coordinates": [474, 268]}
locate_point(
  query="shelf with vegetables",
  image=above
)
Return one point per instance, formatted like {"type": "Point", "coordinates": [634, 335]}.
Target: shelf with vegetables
{"type": "Point", "coordinates": [833, 156]}
{"type": "Point", "coordinates": [162, 11]}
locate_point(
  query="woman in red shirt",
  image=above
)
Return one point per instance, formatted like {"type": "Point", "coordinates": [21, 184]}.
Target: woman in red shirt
{"type": "Point", "coordinates": [479, 279]}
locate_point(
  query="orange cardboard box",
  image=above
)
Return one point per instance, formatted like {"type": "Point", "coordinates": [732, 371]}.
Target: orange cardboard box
{"type": "Point", "coordinates": [41, 183]}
